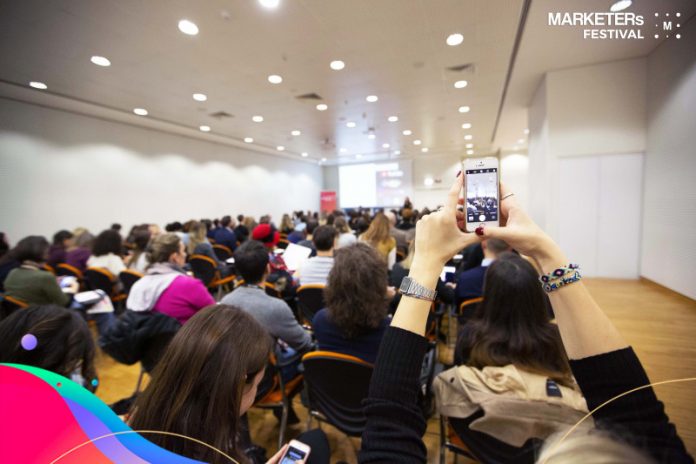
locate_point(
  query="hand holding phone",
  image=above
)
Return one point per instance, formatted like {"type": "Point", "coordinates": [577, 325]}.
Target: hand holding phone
{"type": "Point", "coordinates": [295, 452]}
{"type": "Point", "coordinates": [482, 196]}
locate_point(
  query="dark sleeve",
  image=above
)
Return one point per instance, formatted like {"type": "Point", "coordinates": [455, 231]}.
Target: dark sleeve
{"type": "Point", "coordinates": [444, 293]}
{"type": "Point", "coordinates": [395, 423]}
{"type": "Point", "coordinates": [638, 417]}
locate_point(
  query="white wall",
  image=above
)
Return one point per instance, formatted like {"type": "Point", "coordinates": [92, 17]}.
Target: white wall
{"type": "Point", "coordinates": [669, 203]}
{"type": "Point", "coordinates": [62, 170]}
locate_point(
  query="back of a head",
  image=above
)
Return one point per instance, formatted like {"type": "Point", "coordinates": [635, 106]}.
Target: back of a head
{"type": "Point", "coordinates": [162, 247]}
{"type": "Point", "coordinates": [63, 340]}
{"type": "Point", "coordinates": [497, 246]}
{"type": "Point", "coordinates": [206, 368]}
{"type": "Point", "coordinates": [512, 324]}
{"type": "Point", "coordinates": [312, 225]}
{"type": "Point", "coordinates": [61, 236]}
{"type": "Point", "coordinates": [324, 238]}
{"type": "Point", "coordinates": [392, 218]}
{"type": "Point", "coordinates": [140, 238]}
{"type": "Point", "coordinates": [341, 225]}
{"type": "Point", "coordinates": [108, 241]}
{"type": "Point", "coordinates": [31, 248]}
{"type": "Point", "coordinates": [356, 289]}
{"type": "Point", "coordinates": [84, 239]}
{"type": "Point", "coordinates": [197, 234]}
{"type": "Point", "coordinates": [251, 259]}
{"type": "Point", "coordinates": [378, 231]}
{"type": "Point", "coordinates": [225, 221]}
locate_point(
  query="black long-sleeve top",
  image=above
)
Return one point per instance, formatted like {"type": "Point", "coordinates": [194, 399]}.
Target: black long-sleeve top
{"type": "Point", "coordinates": [395, 425]}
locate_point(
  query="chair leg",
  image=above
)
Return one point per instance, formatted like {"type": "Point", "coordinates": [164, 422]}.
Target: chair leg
{"type": "Point", "coordinates": [140, 379]}
{"type": "Point", "coordinates": [443, 449]}
{"type": "Point", "coordinates": [283, 424]}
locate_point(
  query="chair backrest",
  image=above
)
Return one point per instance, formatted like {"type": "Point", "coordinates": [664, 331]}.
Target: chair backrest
{"type": "Point", "coordinates": [271, 290]}
{"type": "Point", "coordinates": [204, 268]}
{"type": "Point", "coordinates": [128, 278]}
{"type": "Point", "coordinates": [64, 269]}
{"type": "Point", "coordinates": [467, 308]}
{"type": "Point", "coordinates": [222, 252]}
{"type": "Point", "coordinates": [282, 243]}
{"type": "Point", "coordinates": [336, 386]}
{"type": "Point", "coordinates": [98, 278]}
{"type": "Point", "coordinates": [311, 299]}
{"type": "Point", "coordinates": [10, 304]}
{"type": "Point", "coordinates": [49, 268]}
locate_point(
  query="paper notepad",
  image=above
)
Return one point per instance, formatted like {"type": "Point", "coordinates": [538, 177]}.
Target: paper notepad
{"type": "Point", "coordinates": [295, 255]}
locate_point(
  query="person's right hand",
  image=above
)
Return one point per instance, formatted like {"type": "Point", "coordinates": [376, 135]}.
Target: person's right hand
{"type": "Point", "coordinates": [518, 230]}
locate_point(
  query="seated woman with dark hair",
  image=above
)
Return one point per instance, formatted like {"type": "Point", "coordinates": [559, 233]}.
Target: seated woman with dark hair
{"type": "Point", "coordinates": [139, 240]}
{"type": "Point", "coordinates": [166, 288]}
{"type": "Point", "coordinates": [355, 317]}
{"type": "Point", "coordinates": [106, 253]}
{"type": "Point", "coordinates": [199, 245]}
{"type": "Point", "coordinates": [62, 240]}
{"type": "Point", "coordinates": [64, 343]}
{"type": "Point", "coordinates": [29, 282]}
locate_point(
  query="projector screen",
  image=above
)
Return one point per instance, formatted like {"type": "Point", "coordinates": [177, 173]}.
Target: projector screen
{"type": "Point", "coordinates": [374, 184]}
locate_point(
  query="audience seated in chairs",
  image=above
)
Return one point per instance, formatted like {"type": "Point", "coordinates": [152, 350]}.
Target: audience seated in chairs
{"type": "Point", "coordinates": [278, 274]}
{"type": "Point", "coordinates": [31, 284]}
{"type": "Point", "coordinates": [470, 282]}
{"type": "Point", "coordinates": [378, 236]}
{"type": "Point", "coordinates": [81, 249]}
{"type": "Point", "coordinates": [345, 234]}
{"type": "Point", "coordinates": [355, 317]}
{"type": "Point", "coordinates": [64, 343]}
{"type": "Point", "coordinates": [199, 245]}
{"type": "Point", "coordinates": [106, 253]}
{"type": "Point", "coordinates": [286, 225]}
{"type": "Point", "coordinates": [166, 288]}
{"type": "Point", "coordinates": [308, 240]}
{"type": "Point", "coordinates": [62, 240]}
{"type": "Point", "coordinates": [316, 270]}
{"type": "Point", "coordinates": [225, 234]}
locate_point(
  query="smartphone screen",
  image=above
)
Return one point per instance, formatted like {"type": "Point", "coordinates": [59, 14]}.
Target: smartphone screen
{"type": "Point", "coordinates": [293, 455]}
{"type": "Point", "coordinates": [481, 195]}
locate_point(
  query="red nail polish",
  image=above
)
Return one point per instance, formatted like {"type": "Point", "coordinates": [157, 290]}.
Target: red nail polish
{"type": "Point", "coordinates": [479, 231]}
{"type": "Point", "coordinates": [458, 172]}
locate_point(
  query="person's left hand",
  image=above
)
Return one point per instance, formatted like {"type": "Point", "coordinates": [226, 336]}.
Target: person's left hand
{"type": "Point", "coordinates": [275, 459]}
{"type": "Point", "coordinates": [439, 235]}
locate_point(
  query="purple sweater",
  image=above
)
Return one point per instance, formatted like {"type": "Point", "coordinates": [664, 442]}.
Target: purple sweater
{"type": "Point", "coordinates": [183, 298]}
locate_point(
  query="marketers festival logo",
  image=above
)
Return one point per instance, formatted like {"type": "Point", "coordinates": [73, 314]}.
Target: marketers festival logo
{"type": "Point", "coordinates": [619, 25]}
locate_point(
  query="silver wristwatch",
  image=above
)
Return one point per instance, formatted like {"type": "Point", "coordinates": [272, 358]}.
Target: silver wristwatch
{"type": "Point", "coordinates": [410, 287]}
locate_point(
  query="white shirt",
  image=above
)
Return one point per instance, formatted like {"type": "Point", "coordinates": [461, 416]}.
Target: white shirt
{"type": "Point", "coordinates": [345, 239]}
{"type": "Point", "coordinates": [315, 270]}
{"type": "Point", "coordinates": [111, 262]}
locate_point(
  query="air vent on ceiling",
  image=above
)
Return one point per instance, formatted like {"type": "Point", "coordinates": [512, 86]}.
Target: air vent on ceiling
{"type": "Point", "coordinates": [221, 115]}
{"type": "Point", "coordinates": [462, 67]}
{"type": "Point", "coordinates": [309, 96]}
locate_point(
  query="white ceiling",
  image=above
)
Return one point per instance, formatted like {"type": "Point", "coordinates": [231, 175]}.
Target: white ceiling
{"type": "Point", "coordinates": [394, 49]}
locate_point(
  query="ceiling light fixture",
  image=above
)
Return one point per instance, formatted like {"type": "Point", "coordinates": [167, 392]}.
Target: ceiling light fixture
{"type": "Point", "coordinates": [343, 150]}
{"type": "Point", "coordinates": [100, 61]}
{"type": "Point", "coordinates": [397, 152]}
{"type": "Point", "coordinates": [460, 84]}
{"type": "Point", "coordinates": [275, 79]}
{"type": "Point", "coordinates": [188, 27]}
{"type": "Point", "coordinates": [201, 97]}
{"type": "Point", "coordinates": [323, 159]}
{"type": "Point", "coordinates": [526, 132]}
{"type": "Point", "coordinates": [322, 107]}
{"type": "Point", "coordinates": [468, 137]}
{"type": "Point", "coordinates": [372, 98]}
{"type": "Point", "coordinates": [407, 132]}
{"type": "Point", "coordinates": [466, 125]}
{"type": "Point", "coordinates": [393, 118]}
{"type": "Point", "coordinates": [270, 4]}
{"type": "Point", "coordinates": [350, 124]}
{"type": "Point", "coordinates": [470, 152]}
{"type": "Point", "coordinates": [205, 128]}
{"type": "Point", "coordinates": [424, 149]}
{"type": "Point", "coordinates": [464, 109]}
{"type": "Point", "coordinates": [385, 145]}
{"type": "Point", "coordinates": [280, 148]}
{"type": "Point", "coordinates": [257, 118]}
{"type": "Point", "coordinates": [428, 181]}
{"type": "Point", "coordinates": [140, 111]}
{"type": "Point", "coordinates": [371, 136]}
{"type": "Point", "coordinates": [520, 140]}
{"type": "Point", "coordinates": [295, 133]}
{"type": "Point", "coordinates": [620, 5]}
{"type": "Point", "coordinates": [417, 142]}
{"type": "Point", "coordinates": [469, 145]}
{"type": "Point", "coordinates": [305, 154]}
{"type": "Point", "coordinates": [358, 156]}
{"type": "Point", "coordinates": [248, 140]}
{"type": "Point", "coordinates": [38, 85]}
{"type": "Point", "coordinates": [337, 65]}
{"type": "Point", "coordinates": [455, 39]}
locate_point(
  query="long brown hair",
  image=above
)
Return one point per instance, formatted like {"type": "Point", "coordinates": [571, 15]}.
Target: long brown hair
{"type": "Point", "coordinates": [197, 235]}
{"type": "Point", "coordinates": [378, 232]}
{"type": "Point", "coordinates": [196, 389]}
{"type": "Point", "coordinates": [356, 289]}
{"type": "Point", "coordinates": [512, 324]}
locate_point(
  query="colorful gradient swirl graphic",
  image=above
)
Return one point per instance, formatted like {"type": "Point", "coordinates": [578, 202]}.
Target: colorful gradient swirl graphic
{"type": "Point", "coordinates": [45, 415]}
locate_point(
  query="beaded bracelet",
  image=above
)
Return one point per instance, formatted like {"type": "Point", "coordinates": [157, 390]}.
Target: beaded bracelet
{"type": "Point", "coordinates": [558, 273]}
{"type": "Point", "coordinates": [558, 283]}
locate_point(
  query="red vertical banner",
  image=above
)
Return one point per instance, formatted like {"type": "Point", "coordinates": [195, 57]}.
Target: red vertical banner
{"type": "Point", "coordinates": [328, 201]}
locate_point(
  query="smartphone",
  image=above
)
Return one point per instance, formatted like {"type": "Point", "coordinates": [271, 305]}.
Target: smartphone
{"type": "Point", "coordinates": [482, 192]}
{"type": "Point", "coordinates": [297, 451]}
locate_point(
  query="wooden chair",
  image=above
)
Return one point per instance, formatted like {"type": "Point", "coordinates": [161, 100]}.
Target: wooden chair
{"type": "Point", "coordinates": [205, 269]}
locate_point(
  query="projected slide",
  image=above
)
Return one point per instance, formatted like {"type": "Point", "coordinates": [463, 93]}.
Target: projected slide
{"type": "Point", "coordinates": [374, 184]}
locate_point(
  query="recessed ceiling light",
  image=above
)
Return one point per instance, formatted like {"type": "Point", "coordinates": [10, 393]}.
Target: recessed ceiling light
{"type": "Point", "coordinates": [305, 154]}
{"type": "Point", "coordinates": [280, 148]}
{"type": "Point", "coordinates": [295, 133]}
{"type": "Point", "coordinates": [275, 79]}
{"type": "Point", "coordinates": [620, 5]}
{"type": "Point", "coordinates": [397, 152]}
{"type": "Point", "coordinates": [466, 125]}
{"type": "Point", "coordinates": [205, 128]}
{"type": "Point", "coordinates": [350, 124]}
{"type": "Point", "coordinates": [248, 140]}
{"type": "Point", "coordinates": [358, 156]}
{"type": "Point", "coordinates": [257, 118]}
{"type": "Point", "coordinates": [460, 84]}
{"type": "Point", "coordinates": [407, 132]}
{"type": "Point", "coordinates": [323, 159]}
{"type": "Point", "coordinates": [201, 97]}
{"type": "Point", "coordinates": [417, 142]}
{"type": "Point", "coordinates": [470, 152]}
{"type": "Point", "coordinates": [371, 136]}
{"type": "Point", "coordinates": [188, 27]}
{"type": "Point", "coordinates": [526, 132]}
{"type": "Point", "coordinates": [469, 145]}
{"type": "Point", "coordinates": [100, 61]}
{"type": "Point", "coordinates": [520, 140]}
{"type": "Point", "coordinates": [322, 107]}
{"type": "Point", "coordinates": [424, 149]}
{"type": "Point", "coordinates": [140, 111]}
{"type": "Point", "coordinates": [269, 3]}
{"type": "Point", "coordinates": [455, 39]}
{"type": "Point", "coordinates": [343, 150]}
{"type": "Point", "coordinates": [464, 109]}
{"type": "Point", "coordinates": [393, 118]}
{"type": "Point", "coordinates": [372, 98]}
{"type": "Point", "coordinates": [468, 137]}
{"type": "Point", "coordinates": [385, 145]}
{"type": "Point", "coordinates": [337, 65]}
{"type": "Point", "coordinates": [428, 181]}
{"type": "Point", "coordinates": [38, 85]}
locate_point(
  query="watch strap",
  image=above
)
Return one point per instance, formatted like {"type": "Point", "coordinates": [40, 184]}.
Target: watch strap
{"type": "Point", "coordinates": [409, 287]}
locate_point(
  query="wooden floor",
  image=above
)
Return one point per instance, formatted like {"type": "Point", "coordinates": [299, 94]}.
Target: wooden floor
{"type": "Point", "coordinates": [658, 323]}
